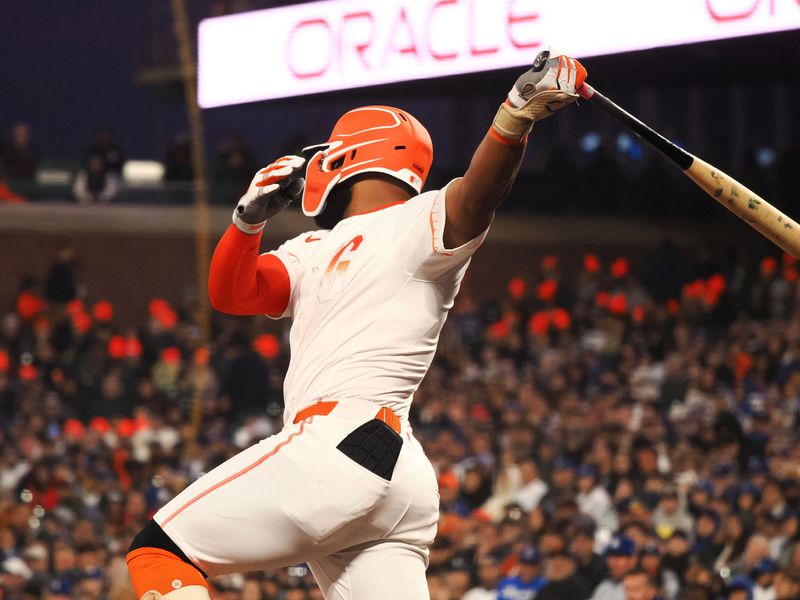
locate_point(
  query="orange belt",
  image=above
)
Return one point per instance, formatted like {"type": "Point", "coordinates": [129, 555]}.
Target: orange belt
{"type": "Point", "coordinates": [324, 407]}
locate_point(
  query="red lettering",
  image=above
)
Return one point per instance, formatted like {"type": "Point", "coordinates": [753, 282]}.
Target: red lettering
{"type": "Point", "coordinates": [441, 55]}
{"type": "Point", "coordinates": [472, 26]}
{"type": "Point", "coordinates": [515, 19]}
{"type": "Point", "coordinates": [309, 74]}
{"type": "Point", "coordinates": [410, 46]}
{"type": "Point", "coordinates": [733, 16]}
{"type": "Point", "coordinates": [360, 46]}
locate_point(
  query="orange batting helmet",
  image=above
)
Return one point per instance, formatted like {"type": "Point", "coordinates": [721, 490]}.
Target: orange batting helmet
{"type": "Point", "coordinates": [370, 139]}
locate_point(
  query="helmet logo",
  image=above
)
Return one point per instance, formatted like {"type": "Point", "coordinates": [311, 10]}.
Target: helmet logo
{"type": "Point", "coordinates": [335, 278]}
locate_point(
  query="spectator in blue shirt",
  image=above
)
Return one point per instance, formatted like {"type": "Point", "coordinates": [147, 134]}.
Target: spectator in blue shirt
{"type": "Point", "coordinates": [527, 579]}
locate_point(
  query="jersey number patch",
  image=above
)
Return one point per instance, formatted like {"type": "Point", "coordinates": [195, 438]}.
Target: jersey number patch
{"type": "Point", "coordinates": [335, 278]}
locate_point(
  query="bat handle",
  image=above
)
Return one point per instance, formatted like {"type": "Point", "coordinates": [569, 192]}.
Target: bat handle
{"type": "Point", "coordinates": [676, 154]}
{"type": "Point", "coordinates": [586, 91]}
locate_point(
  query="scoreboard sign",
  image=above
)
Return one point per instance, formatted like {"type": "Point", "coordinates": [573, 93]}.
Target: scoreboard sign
{"type": "Point", "coordinates": [339, 44]}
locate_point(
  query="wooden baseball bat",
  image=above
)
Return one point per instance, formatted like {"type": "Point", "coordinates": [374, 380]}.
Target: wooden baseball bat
{"type": "Point", "coordinates": [741, 201]}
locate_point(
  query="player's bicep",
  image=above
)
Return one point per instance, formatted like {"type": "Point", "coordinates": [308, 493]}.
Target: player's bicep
{"type": "Point", "coordinates": [422, 247]}
{"type": "Point", "coordinates": [462, 221]}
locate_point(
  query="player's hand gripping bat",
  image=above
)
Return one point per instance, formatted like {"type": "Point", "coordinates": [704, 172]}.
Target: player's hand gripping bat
{"type": "Point", "coordinates": [271, 190]}
{"type": "Point", "coordinates": [741, 201]}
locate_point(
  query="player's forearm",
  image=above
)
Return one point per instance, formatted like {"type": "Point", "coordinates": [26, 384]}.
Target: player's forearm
{"type": "Point", "coordinates": [547, 86]}
{"type": "Point", "coordinates": [472, 200]}
{"type": "Point", "coordinates": [241, 282]}
{"type": "Point", "coordinates": [491, 174]}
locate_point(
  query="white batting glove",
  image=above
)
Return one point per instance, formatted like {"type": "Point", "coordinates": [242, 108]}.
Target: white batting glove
{"type": "Point", "coordinates": [552, 82]}
{"type": "Point", "coordinates": [271, 190]}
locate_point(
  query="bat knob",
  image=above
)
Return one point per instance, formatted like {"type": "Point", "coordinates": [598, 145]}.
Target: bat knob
{"type": "Point", "coordinates": [540, 61]}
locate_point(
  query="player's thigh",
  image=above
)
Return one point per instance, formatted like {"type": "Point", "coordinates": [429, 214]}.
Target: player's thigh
{"type": "Point", "coordinates": [234, 517]}
{"type": "Point", "coordinates": [385, 570]}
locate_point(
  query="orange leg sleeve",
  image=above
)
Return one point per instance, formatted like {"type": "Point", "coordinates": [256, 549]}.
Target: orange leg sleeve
{"type": "Point", "coordinates": [160, 570]}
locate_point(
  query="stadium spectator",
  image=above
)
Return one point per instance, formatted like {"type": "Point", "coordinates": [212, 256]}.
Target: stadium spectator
{"type": "Point", "coordinates": [532, 489]}
{"type": "Point", "coordinates": [20, 157]}
{"type": "Point", "coordinates": [650, 561]}
{"type": "Point", "coordinates": [639, 585]}
{"type": "Point", "coordinates": [14, 574]}
{"type": "Point", "coordinates": [757, 549]}
{"type": "Point", "coordinates": [763, 578]}
{"type": "Point", "coordinates": [593, 499]}
{"type": "Point", "coordinates": [621, 560]}
{"type": "Point", "coordinates": [733, 539]}
{"type": "Point", "coordinates": [671, 514]}
{"type": "Point", "coordinates": [590, 566]}
{"type": "Point", "coordinates": [104, 145]}
{"type": "Point", "coordinates": [94, 184]}
{"type": "Point", "coordinates": [178, 162]}
{"type": "Point", "coordinates": [739, 588]}
{"type": "Point", "coordinates": [526, 579]}
{"type": "Point", "coordinates": [561, 579]}
{"type": "Point", "coordinates": [706, 529]}
{"type": "Point", "coordinates": [60, 285]}
{"type": "Point", "coordinates": [489, 575]}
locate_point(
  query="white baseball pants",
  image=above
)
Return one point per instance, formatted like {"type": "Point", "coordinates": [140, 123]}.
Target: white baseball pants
{"type": "Point", "coordinates": [294, 498]}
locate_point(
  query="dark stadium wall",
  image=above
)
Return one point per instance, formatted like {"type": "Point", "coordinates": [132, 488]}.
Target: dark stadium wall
{"type": "Point", "coordinates": [129, 257]}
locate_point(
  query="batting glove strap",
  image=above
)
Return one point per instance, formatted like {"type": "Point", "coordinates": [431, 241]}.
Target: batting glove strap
{"type": "Point", "coordinates": [514, 124]}
{"type": "Point", "coordinates": [248, 228]}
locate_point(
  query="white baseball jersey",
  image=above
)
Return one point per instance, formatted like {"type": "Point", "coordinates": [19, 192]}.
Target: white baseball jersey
{"type": "Point", "coordinates": [368, 301]}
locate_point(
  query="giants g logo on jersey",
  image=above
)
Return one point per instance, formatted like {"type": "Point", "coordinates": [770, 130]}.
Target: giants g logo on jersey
{"type": "Point", "coordinates": [336, 276]}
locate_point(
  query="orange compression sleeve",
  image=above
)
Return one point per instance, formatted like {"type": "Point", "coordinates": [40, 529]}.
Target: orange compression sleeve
{"type": "Point", "coordinates": [242, 282]}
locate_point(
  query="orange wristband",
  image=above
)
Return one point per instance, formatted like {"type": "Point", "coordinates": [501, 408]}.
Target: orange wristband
{"type": "Point", "coordinates": [505, 141]}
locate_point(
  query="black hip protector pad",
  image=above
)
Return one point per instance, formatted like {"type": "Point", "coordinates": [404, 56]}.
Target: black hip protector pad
{"type": "Point", "coordinates": [375, 446]}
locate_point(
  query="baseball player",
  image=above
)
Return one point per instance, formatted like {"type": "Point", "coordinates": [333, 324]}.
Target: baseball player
{"type": "Point", "coordinates": [345, 486]}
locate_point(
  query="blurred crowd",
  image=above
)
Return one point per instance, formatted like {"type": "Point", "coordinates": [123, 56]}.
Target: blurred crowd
{"type": "Point", "coordinates": [622, 170]}
{"type": "Point", "coordinates": [599, 430]}
{"type": "Point", "coordinates": [98, 176]}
